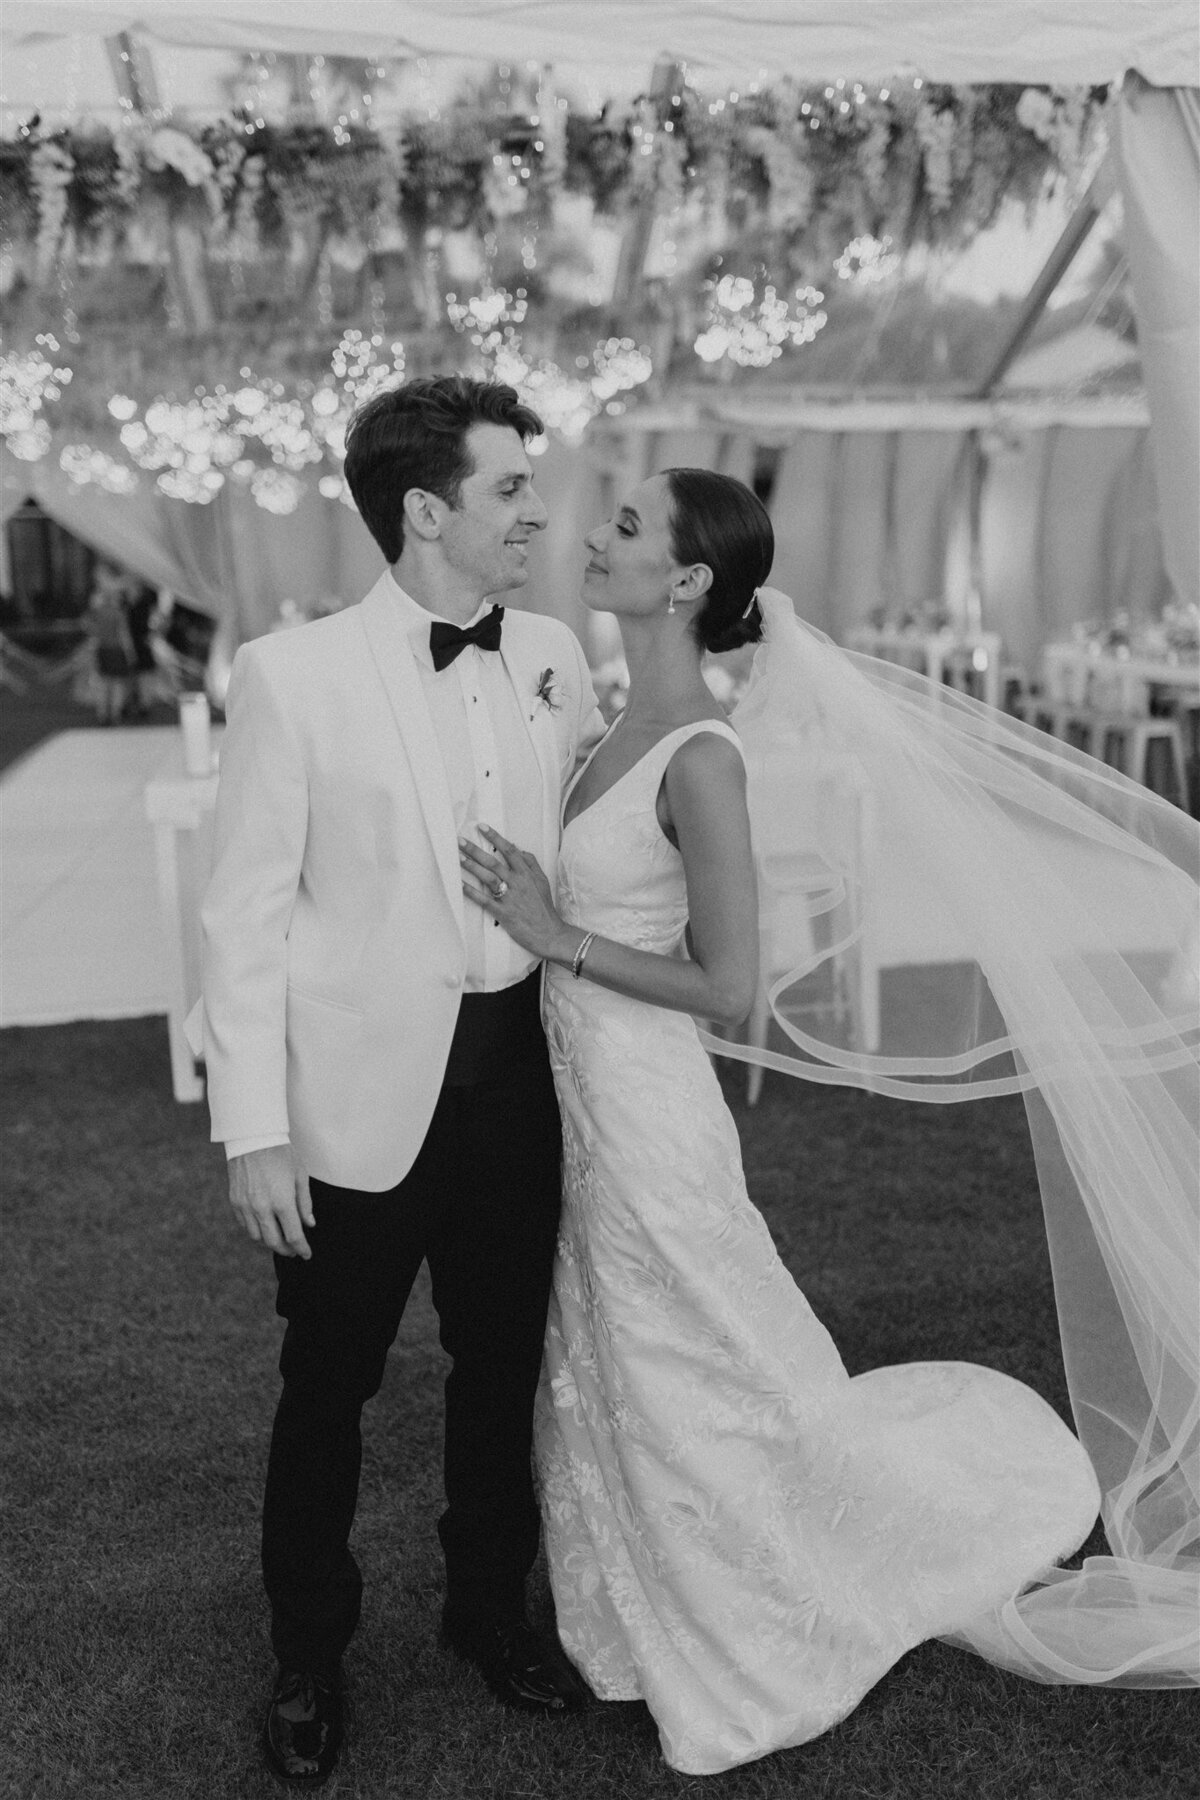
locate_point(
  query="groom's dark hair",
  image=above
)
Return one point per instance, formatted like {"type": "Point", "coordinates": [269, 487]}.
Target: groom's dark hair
{"type": "Point", "coordinates": [415, 435]}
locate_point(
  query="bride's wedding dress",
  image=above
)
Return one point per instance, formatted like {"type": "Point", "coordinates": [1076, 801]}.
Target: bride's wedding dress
{"type": "Point", "coordinates": [738, 1532]}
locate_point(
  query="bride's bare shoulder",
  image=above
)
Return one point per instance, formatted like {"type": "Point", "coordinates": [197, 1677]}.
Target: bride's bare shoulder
{"type": "Point", "coordinates": [707, 762]}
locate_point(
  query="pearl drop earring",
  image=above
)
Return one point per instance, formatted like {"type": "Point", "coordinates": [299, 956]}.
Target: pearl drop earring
{"type": "Point", "coordinates": [671, 602]}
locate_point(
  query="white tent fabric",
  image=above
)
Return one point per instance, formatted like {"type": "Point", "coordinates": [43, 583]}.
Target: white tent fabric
{"type": "Point", "coordinates": [229, 559]}
{"type": "Point", "coordinates": [1061, 41]}
{"type": "Point", "coordinates": [864, 507]}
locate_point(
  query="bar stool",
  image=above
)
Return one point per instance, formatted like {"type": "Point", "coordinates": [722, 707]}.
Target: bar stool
{"type": "Point", "coordinates": [1149, 750]}
{"type": "Point", "coordinates": [1016, 693]}
{"type": "Point", "coordinates": [969, 661]}
{"type": "Point", "coordinates": [1189, 724]}
{"type": "Point", "coordinates": [1074, 725]}
{"type": "Point", "coordinates": [1079, 728]}
{"type": "Point", "coordinates": [1060, 705]}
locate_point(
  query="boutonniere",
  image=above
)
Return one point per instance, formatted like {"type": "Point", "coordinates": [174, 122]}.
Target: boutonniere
{"type": "Point", "coordinates": [548, 691]}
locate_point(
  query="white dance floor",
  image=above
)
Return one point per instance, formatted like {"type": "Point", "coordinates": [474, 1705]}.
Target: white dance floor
{"type": "Point", "coordinates": [80, 934]}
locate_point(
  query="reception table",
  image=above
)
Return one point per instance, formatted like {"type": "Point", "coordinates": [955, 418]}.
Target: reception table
{"type": "Point", "coordinates": [1086, 675]}
{"type": "Point", "coordinates": [942, 655]}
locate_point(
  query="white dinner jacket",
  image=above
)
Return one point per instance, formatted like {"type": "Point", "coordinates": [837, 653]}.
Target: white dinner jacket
{"type": "Point", "coordinates": [334, 952]}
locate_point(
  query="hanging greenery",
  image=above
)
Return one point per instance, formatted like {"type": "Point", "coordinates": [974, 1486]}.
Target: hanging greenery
{"type": "Point", "coordinates": [814, 167]}
{"type": "Point", "coordinates": [323, 260]}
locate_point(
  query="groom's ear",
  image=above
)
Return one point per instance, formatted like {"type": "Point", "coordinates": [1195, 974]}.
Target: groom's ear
{"type": "Point", "coordinates": [423, 513]}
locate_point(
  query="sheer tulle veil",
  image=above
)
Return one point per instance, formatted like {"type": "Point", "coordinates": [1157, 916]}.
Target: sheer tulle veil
{"type": "Point", "coordinates": [955, 905]}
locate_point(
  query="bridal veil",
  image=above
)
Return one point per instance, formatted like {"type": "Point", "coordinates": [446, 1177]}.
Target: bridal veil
{"type": "Point", "coordinates": [955, 905]}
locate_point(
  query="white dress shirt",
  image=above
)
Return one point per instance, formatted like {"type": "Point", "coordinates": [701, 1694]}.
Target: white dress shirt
{"type": "Point", "coordinates": [494, 778]}
{"type": "Point", "coordinates": [492, 772]}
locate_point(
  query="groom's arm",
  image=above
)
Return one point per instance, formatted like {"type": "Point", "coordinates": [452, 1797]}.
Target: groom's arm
{"type": "Point", "coordinates": [271, 1198]}
{"type": "Point", "coordinates": [259, 832]}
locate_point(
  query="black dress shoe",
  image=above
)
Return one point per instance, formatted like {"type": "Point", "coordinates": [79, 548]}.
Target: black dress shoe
{"type": "Point", "coordinates": [522, 1668]}
{"type": "Point", "coordinates": [303, 1730]}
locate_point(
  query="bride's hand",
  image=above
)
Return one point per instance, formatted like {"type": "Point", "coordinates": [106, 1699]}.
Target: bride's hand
{"type": "Point", "coordinates": [509, 884]}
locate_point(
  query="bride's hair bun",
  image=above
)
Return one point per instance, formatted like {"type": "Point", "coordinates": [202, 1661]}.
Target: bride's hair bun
{"type": "Point", "coordinates": [718, 521]}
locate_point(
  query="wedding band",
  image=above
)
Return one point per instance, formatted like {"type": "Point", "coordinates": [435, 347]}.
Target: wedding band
{"type": "Point", "coordinates": [501, 889]}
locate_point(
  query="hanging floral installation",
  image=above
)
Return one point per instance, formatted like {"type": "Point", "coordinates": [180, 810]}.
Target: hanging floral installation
{"type": "Point", "coordinates": [816, 167]}
{"type": "Point", "coordinates": [323, 258]}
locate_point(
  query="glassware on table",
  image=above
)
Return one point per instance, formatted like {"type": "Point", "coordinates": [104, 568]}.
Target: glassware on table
{"type": "Point", "coordinates": [196, 725]}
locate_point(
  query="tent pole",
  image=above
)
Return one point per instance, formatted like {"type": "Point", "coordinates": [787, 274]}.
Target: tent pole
{"type": "Point", "coordinates": [1074, 235]}
{"type": "Point", "coordinates": [133, 72]}
{"type": "Point", "coordinates": [636, 242]}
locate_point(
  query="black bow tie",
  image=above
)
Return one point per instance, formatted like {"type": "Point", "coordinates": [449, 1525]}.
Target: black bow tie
{"type": "Point", "coordinates": [445, 641]}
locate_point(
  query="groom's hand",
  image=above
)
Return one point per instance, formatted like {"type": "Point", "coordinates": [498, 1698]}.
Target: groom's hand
{"type": "Point", "coordinates": [270, 1196]}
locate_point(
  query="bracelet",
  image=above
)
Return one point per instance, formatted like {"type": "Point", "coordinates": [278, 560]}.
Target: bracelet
{"type": "Point", "coordinates": [577, 959]}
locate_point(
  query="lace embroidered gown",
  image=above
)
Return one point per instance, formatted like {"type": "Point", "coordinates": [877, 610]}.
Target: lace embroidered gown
{"type": "Point", "coordinates": [738, 1532]}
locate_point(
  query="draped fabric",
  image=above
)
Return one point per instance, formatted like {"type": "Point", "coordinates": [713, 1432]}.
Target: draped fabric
{"type": "Point", "coordinates": [863, 518]}
{"type": "Point", "coordinates": [1069, 532]}
{"type": "Point", "coordinates": [13, 494]}
{"type": "Point", "coordinates": [966, 907]}
{"type": "Point", "coordinates": [128, 528]}
{"type": "Point", "coordinates": [230, 559]}
{"type": "Point", "coordinates": [869, 520]}
{"type": "Point", "coordinates": [1063, 41]}
{"type": "Point", "coordinates": [1158, 162]}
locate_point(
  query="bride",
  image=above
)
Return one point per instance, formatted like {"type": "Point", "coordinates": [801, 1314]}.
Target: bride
{"type": "Point", "coordinates": [738, 1532]}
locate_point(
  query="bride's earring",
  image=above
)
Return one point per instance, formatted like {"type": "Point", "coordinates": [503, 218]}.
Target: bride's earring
{"type": "Point", "coordinates": [671, 602]}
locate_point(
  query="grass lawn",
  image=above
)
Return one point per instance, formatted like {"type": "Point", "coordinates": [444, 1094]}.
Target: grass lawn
{"type": "Point", "coordinates": [139, 1343]}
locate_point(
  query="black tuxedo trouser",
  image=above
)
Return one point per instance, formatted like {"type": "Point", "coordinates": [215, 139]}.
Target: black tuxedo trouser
{"type": "Point", "coordinates": [481, 1205]}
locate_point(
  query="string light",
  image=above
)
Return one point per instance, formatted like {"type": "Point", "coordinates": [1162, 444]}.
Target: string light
{"type": "Point", "coordinates": [751, 332]}
{"type": "Point", "coordinates": [866, 261]}
{"type": "Point", "coordinates": [276, 491]}
{"type": "Point", "coordinates": [491, 321]}
{"type": "Point", "coordinates": [29, 380]}
{"type": "Point", "coordinates": [83, 465]}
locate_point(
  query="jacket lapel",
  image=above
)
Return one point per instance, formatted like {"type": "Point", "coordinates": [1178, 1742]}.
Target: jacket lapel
{"type": "Point", "coordinates": [393, 656]}
{"type": "Point", "coordinates": [539, 723]}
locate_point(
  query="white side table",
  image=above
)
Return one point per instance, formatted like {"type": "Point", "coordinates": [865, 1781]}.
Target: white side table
{"type": "Point", "coordinates": [180, 808]}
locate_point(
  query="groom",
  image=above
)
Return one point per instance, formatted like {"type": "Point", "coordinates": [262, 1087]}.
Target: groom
{"type": "Point", "coordinates": [376, 1065]}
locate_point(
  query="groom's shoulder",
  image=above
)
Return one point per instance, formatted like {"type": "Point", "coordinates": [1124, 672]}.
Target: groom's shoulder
{"type": "Point", "coordinates": [536, 632]}
{"type": "Point", "coordinates": [301, 649]}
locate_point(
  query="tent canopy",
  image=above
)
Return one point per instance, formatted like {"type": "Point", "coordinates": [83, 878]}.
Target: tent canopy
{"type": "Point", "coordinates": [1151, 46]}
{"type": "Point", "coordinates": [1042, 41]}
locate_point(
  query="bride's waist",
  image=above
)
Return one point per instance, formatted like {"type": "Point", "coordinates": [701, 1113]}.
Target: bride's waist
{"type": "Point", "coordinates": [574, 999]}
{"type": "Point", "coordinates": [656, 936]}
